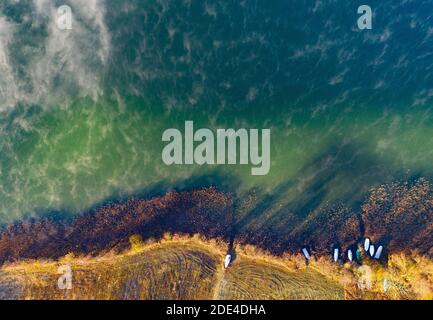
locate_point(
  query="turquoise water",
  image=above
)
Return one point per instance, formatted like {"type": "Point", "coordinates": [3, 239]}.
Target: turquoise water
{"type": "Point", "coordinates": [83, 111]}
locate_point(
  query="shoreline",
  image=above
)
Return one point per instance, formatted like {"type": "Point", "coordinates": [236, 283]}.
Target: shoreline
{"type": "Point", "coordinates": [173, 253]}
{"type": "Point", "coordinates": [397, 216]}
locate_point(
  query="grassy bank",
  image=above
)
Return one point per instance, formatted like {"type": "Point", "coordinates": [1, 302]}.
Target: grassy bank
{"type": "Point", "coordinates": [184, 267]}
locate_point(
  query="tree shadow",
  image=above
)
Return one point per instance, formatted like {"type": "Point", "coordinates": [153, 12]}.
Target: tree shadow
{"type": "Point", "coordinates": [294, 211]}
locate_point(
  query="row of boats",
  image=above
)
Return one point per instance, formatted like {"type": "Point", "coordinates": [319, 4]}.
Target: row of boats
{"type": "Point", "coordinates": [352, 254]}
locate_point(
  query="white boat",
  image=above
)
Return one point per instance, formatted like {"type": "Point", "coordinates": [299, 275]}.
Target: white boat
{"type": "Point", "coordinates": [227, 261]}
{"type": "Point", "coordinates": [336, 254]}
{"type": "Point", "coordinates": [378, 253]}
{"type": "Point", "coordinates": [372, 250]}
{"type": "Point", "coordinates": [306, 254]}
{"type": "Point", "coordinates": [350, 255]}
{"type": "Point", "coordinates": [366, 244]}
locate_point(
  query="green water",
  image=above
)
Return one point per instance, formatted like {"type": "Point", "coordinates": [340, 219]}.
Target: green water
{"type": "Point", "coordinates": [82, 118]}
{"type": "Point", "coordinates": [71, 159]}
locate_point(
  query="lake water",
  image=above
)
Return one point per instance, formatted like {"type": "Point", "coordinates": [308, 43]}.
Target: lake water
{"type": "Point", "coordinates": [82, 111]}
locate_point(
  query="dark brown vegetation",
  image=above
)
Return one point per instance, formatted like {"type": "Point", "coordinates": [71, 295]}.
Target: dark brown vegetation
{"type": "Point", "coordinates": [401, 216]}
{"type": "Point", "coordinates": [206, 211]}
{"type": "Point", "coordinates": [398, 215]}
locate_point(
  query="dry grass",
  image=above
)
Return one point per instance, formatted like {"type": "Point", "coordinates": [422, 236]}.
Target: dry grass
{"type": "Point", "coordinates": [183, 267]}
{"type": "Point", "coordinates": [176, 269]}
{"type": "Point", "coordinates": [249, 279]}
